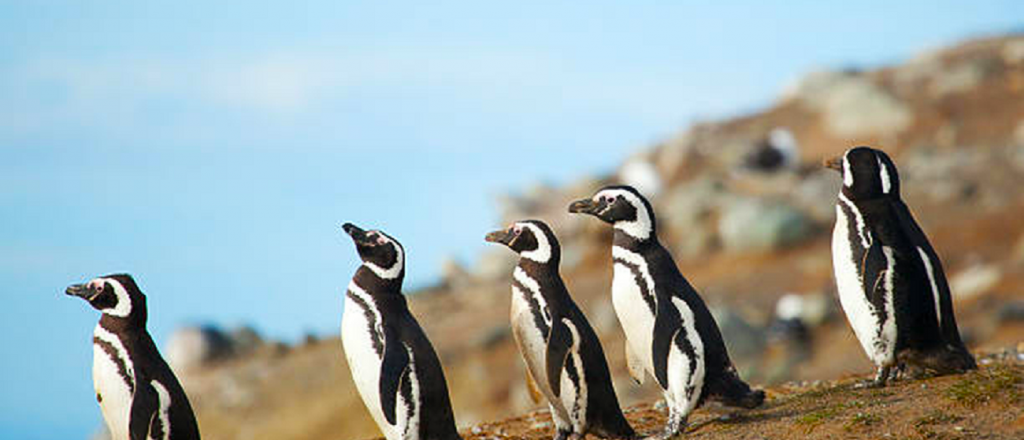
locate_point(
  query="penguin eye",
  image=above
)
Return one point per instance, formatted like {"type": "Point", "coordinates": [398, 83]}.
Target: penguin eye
{"type": "Point", "coordinates": [99, 287]}
{"type": "Point", "coordinates": [608, 199]}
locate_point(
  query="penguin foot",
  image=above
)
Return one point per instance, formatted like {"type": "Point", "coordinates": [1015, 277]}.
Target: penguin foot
{"type": "Point", "coordinates": [563, 434]}
{"type": "Point", "coordinates": [883, 375]}
{"type": "Point", "coordinates": [675, 426]}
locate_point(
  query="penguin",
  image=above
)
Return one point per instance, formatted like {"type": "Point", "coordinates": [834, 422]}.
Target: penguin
{"type": "Point", "coordinates": [393, 364]}
{"type": "Point", "coordinates": [776, 151]}
{"type": "Point", "coordinates": [138, 394]}
{"type": "Point", "coordinates": [563, 355]}
{"type": "Point", "coordinates": [670, 334]}
{"type": "Point", "coordinates": [890, 280]}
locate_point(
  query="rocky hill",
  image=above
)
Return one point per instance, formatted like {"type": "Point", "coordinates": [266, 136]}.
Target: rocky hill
{"type": "Point", "coordinates": [747, 210]}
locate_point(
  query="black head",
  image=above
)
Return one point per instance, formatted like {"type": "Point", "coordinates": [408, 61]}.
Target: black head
{"type": "Point", "coordinates": [381, 253]}
{"type": "Point", "coordinates": [622, 206]}
{"type": "Point", "coordinates": [117, 296]}
{"type": "Point", "coordinates": [867, 173]}
{"type": "Point", "coordinates": [531, 239]}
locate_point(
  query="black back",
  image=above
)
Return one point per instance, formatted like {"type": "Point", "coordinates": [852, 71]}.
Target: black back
{"type": "Point", "coordinates": [892, 225]}
{"type": "Point", "coordinates": [721, 379]}
{"type": "Point", "coordinates": [605, 414]}
{"type": "Point", "coordinates": [148, 364]}
{"type": "Point", "coordinates": [400, 328]}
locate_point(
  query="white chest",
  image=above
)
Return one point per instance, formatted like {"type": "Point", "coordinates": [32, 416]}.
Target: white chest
{"type": "Point", "coordinates": [531, 340]}
{"type": "Point", "coordinates": [858, 309]}
{"type": "Point", "coordinates": [114, 395]}
{"type": "Point", "coordinates": [634, 314]}
{"type": "Point", "coordinates": [357, 328]}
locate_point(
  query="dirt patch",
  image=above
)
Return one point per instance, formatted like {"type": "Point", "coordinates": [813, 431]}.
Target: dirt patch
{"type": "Point", "coordinates": [980, 404]}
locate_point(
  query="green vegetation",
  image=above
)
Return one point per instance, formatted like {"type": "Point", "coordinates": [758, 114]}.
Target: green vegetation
{"type": "Point", "coordinates": [937, 417]}
{"type": "Point", "coordinates": [861, 419]}
{"type": "Point", "coordinates": [984, 385]}
{"type": "Point", "coordinates": [814, 418]}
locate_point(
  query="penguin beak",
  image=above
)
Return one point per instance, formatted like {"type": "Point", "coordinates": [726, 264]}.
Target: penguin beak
{"type": "Point", "coordinates": [358, 235]}
{"type": "Point", "coordinates": [835, 163]}
{"type": "Point", "coordinates": [503, 237]}
{"type": "Point", "coordinates": [585, 206]}
{"type": "Point", "coordinates": [82, 291]}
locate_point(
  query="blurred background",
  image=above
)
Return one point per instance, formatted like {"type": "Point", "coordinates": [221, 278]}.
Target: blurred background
{"type": "Point", "coordinates": [214, 150]}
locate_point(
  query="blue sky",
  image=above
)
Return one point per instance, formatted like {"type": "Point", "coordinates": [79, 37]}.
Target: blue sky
{"type": "Point", "coordinates": [213, 149]}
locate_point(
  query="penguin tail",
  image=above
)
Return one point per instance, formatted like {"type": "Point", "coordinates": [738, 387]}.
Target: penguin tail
{"type": "Point", "coordinates": [949, 359]}
{"type": "Point", "coordinates": [749, 399]}
{"type": "Point", "coordinates": [964, 361]}
{"type": "Point", "coordinates": [619, 431]}
{"type": "Point", "coordinates": [613, 425]}
{"type": "Point", "coordinates": [733, 391]}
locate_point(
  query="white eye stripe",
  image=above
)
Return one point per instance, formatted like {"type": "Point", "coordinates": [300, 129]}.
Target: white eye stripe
{"type": "Point", "coordinates": [884, 175]}
{"type": "Point", "coordinates": [124, 302]}
{"type": "Point", "coordinates": [390, 272]}
{"type": "Point", "coordinates": [847, 174]}
{"type": "Point", "coordinates": [543, 252]}
{"type": "Point", "coordinates": [642, 226]}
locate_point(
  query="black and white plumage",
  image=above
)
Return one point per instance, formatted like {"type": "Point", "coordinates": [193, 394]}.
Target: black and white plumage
{"type": "Point", "coordinates": [561, 350]}
{"type": "Point", "coordinates": [778, 150]}
{"type": "Point", "coordinates": [139, 396]}
{"type": "Point", "coordinates": [890, 280]}
{"type": "Point", "coordinates": [393, 364]}
{"type": "Point", "coordinates": [670, 333]}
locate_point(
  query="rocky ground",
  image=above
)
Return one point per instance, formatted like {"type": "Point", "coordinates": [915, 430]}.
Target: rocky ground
{"type": "Point", "coordinates": [747, 230]}
{"type": "Point", "coordinates": [982, 404]}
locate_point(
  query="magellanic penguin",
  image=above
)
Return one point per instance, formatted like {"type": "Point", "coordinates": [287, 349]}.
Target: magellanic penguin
{"type": "Point", "coordinates": [890, 280]}
{"type": "Point", "coordinates": [561, 350]}
{"type": "Point", "coordinates": [669, 331]}
{"type": "Point", "coordinates": [393, 365]}
{"type": "Point", "coordinates": [139, 396]}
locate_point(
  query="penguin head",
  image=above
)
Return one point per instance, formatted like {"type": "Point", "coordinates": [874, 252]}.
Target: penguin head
{"type": "Point", "coordinates": [115, 295]}
{"type": "Point", "coordinates": [531, 239]}
{"type": "Point", "coordinates": [381, 253]}
{"type": "Point", "coordinates": [622, 206]}
{"type": "Point", "coordinates": [867, 173]}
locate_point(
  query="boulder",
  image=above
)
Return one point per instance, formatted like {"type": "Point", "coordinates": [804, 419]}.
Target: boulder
{"type": "Point", "coordinates": [852, 104]}
{"type": "Point", "coordinates": [759, 225]}
{"type": "Point", "coordinates": [685, 214]}
{"type": "Point", "coordinates": [245, 339]}
{"type": "Point", "coordinates": [1013, 51]}
{"type": "Point", "coordinates": [192, 347]}
{"type": "Point", "coordinates": [976, 279]}
{"type": "Point", "coordinates": [495, 264]}
{"type": "Point", "coordinates": [454, 274]}
{"type": "Point", "coordinates": [961, 78]}
{"type": "Point", "coordinates": [816, 194]}
{"type": "Point", "coordinates": [641, 174]}
{"type": "Point", "coordinates": [742, 339]}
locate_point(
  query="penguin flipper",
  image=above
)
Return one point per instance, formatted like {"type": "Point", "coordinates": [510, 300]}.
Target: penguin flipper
{"type": "Point", "coordinates": [531, 386]}
{"type": "Point", "coordinates": [142, 415]}
{"type": "Point", "coordinates": [872, 268]}
{"type": "Point", "coordinates": [635, 364]}
{"type": "Point", "coordinates": [666, 325]}
{"type": "Point", "coordinates": [559, 342]}
{"type": "Point", "coordinates": [392, 368]}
